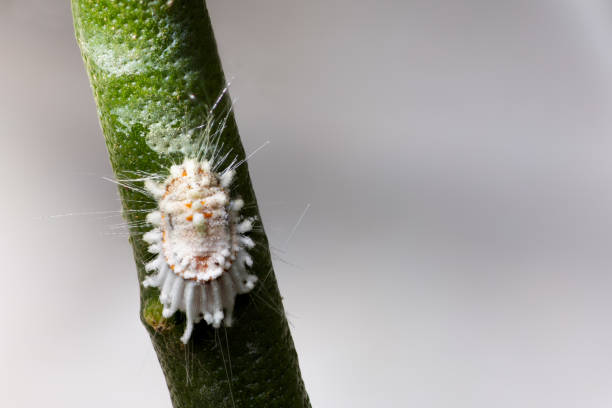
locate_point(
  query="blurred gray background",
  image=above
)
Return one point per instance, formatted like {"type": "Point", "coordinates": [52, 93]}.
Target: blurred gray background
{"type": "Point", "coordinates": [457, 159]}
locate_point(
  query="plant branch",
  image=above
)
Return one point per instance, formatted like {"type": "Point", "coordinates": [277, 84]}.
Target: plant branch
{"type": "Point", "coordinates": [155, 73]}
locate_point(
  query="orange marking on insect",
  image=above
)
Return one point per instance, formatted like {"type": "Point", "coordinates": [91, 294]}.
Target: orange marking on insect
{"type": "Point", "coordinates": [184, 173]}
{"type": "Point", "coordinates": [202, 202]}
{"type": "Point", "coordinates": [188, 205]}
{"type": "Point", "coordinates": [172, 267]}
{"type": "Point", "coordinates": [207, 214]}
{"type": "Point", "coordinates": [189, 218]}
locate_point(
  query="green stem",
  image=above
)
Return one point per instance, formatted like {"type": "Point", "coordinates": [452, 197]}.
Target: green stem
{"type": "Point", "coordinates": [155, 72]}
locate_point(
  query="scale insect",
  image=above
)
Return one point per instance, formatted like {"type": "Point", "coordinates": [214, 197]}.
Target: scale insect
{"type": "Point", "coordinates": [198, 236]}
{"type": "Point", "coordinates": [200, 242]}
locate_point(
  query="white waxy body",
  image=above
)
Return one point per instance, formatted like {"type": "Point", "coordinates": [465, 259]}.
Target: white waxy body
{"type": "Point", "coordinates": [201, 252]}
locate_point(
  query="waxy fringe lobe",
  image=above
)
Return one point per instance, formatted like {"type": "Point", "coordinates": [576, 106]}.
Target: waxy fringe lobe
{"type": "Point", "coordinates": [201, 248]}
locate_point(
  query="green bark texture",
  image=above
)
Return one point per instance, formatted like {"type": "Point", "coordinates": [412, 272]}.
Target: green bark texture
{"type": "Point", "coordinates": [155, 71]}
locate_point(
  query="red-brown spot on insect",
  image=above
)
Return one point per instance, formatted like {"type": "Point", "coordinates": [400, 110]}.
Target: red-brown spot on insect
{"type": "Point", "coordinates": [189, 218]}
{"type": "Point", "coordinates": [201, 262]}
{"type": "Point", "coordinates": [207, 214]}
